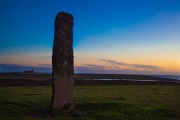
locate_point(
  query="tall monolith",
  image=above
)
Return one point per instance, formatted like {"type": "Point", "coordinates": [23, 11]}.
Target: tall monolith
{"type": "Point", "coordinates": [62, 64]}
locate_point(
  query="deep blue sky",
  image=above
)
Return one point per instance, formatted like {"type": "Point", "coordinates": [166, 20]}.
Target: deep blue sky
{"type": "Point", "coordinates": [124, 31]}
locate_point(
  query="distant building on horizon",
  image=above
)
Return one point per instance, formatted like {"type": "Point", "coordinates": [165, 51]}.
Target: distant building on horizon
{"type": "Point", "coordinates": [28, 71]}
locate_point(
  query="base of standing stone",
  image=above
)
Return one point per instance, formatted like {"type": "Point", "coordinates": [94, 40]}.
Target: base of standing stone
{"type": "Point", "coordinates": [73, 113]}
{"type": "Point", "coordinates": [62, 94]}
{"type": "Point", "coordinates": [47, 114]}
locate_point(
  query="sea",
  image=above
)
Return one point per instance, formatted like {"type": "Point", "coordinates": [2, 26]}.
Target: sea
{"type": "Point", "coordinates": [177, 77]}
{"type": "Point", "coordinates": [173, 77]}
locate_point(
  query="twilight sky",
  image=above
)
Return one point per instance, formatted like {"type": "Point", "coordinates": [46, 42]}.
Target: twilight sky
{"type": "Point", "coordinates": [110, 36]}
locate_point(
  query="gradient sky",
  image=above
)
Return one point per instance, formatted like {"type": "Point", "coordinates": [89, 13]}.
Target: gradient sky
{"type": "Point", "coordinates": [110, 36]}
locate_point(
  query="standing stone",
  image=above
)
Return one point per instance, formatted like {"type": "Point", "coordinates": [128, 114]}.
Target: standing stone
{"type": "Point", "coordinates": [62, 64]}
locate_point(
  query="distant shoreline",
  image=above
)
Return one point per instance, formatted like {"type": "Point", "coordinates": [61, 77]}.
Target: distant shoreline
{"type": "Point", "coordinates": [26, 82]}
{"type": "Point", "coordinates": [34, 79]}
{"type": "Point", "coordinates": [91, 76]}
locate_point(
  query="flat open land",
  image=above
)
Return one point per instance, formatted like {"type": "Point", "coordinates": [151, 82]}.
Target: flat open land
{"type": "Point", "coordinates": [85, 79]}
{"type": "Point", "coordinates": [147, 102]}
{"type": "Point", "coordinates": [36, 76]}
{"type": "Point", "coordinates": [28, 96]}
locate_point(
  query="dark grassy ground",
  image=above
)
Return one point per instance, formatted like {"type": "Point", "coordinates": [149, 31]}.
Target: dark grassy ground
{"type": "Point", "coordinates": [84, 79]}
{"type": "Point", "coordinates": [76, 76]}
{"type": "Point", "coordinates": [24, 76]}
{"type": "Point", "coordinates": [149, 102]}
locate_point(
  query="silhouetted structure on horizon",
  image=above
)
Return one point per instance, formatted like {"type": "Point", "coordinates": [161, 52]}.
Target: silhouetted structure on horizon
{"type": "Point", "coordinates": [29, 71]}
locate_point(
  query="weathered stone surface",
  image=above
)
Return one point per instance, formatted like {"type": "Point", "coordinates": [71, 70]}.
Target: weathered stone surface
{"type": "Point", "coordinates": [63, 64]}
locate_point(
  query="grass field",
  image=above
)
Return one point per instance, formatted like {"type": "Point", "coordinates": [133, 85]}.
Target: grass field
{"type": "Point", "coordinates": [149, 102]}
